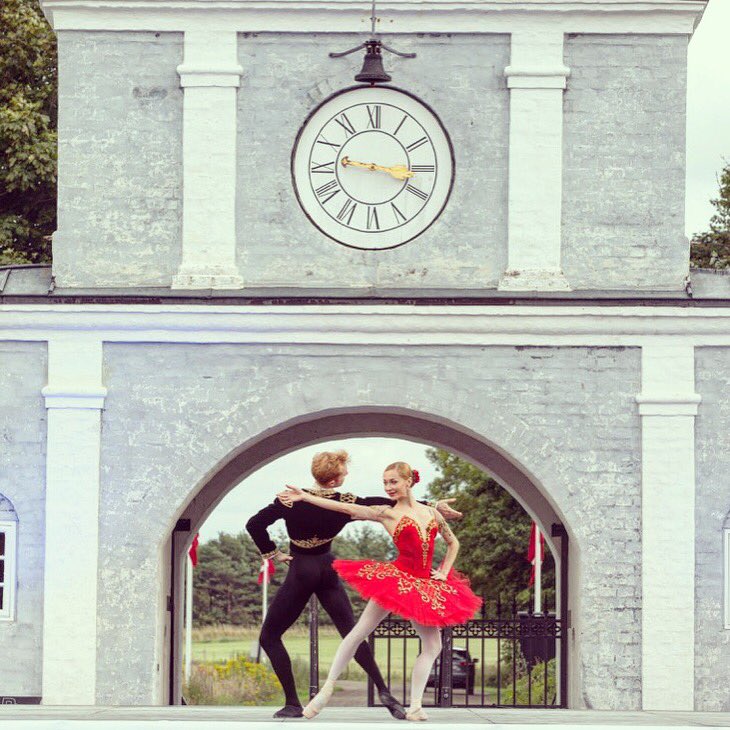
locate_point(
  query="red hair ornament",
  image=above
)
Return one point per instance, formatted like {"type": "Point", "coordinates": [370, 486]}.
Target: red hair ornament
{"type": "Point", "coordinates": [415, 476]}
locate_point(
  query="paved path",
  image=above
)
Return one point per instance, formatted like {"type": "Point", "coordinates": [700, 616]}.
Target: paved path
{"type": "Point", "coordinates": [24, 717]}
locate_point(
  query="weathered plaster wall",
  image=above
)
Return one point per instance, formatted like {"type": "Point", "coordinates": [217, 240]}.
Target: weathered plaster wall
{"type": "Point", "coordinates": [624, 162]}
{"type": "Point", "coordinates": [568, 415]}
{"type": "Point", "coordinates": [286, 76]}
{"type": "Point", "coordinates": [22, 482]}
{"type": "Point", "coordinates": [119, 159]}
{"type": "Point", "coordinates": [712, 504]}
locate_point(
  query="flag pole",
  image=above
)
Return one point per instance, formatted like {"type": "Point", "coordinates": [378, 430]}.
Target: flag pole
{"type": "Point", "coordinates": [538, 572]}
{"type": "Point", "coordinates": [265, 597]}
{"type": "Point", "coordinates": [188, 617]}
{"type": "Point", "coordinates": [264, 578]}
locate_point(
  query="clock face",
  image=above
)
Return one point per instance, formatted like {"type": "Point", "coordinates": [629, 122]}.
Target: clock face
{"type": "Point", "coordinates": [372, 167]}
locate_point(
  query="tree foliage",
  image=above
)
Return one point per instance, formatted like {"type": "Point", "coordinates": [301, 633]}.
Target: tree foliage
{"type": "Point", "coordinates": [494, 533]}
{"type": "Point", "coordinates": [28, 120]}
{"type": "Point", "coordinates": [225, 582]}
{"type": "Point", "coordinates": [226, 589]}
{"type": "Point", "coordinates": [711, 249]}
{"type": "Point", "coordinates": [494, 536]}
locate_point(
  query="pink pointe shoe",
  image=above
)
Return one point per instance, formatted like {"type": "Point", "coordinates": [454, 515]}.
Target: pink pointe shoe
{"type": "Point", "coordinates": [416, 714]}
{"type": "Point", "coordinates": [319, 701]}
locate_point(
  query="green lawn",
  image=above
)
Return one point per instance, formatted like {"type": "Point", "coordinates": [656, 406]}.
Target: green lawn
{"type": "Point", "coordinates": [297, 643]}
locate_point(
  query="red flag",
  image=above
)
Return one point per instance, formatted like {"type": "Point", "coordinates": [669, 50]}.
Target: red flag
{"type": "Point", "coordinates": [266, 571]}
{"type": "Point", "coordinates": [531, 551]}
{"type": "Point", "coordinates": [193, 552]}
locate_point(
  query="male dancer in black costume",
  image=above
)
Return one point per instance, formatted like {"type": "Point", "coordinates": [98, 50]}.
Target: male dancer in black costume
{"type": "Point", "coordinates": [311, 530]}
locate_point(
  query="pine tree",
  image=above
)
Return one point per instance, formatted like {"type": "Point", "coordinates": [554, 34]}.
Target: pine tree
{"type": "Point", "coordinates": [711, 249]}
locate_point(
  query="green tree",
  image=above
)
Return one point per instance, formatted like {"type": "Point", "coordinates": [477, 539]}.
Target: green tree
{"type": "Point", "coordinates": [494, 533]}
{"type": "Point", "coordinates": [28, 119]}
{"type": "Point", "coordinates": [225, 583]}
{"type": "Point", "coordinates": [226, 589]}
{"type": "Point", "coordinates": [711, 249]}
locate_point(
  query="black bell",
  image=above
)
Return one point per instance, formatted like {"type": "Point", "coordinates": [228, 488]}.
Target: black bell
{"type": "Point", "coordinates": [372, 67]}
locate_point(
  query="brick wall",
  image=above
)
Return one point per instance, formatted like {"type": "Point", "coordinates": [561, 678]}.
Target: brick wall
{"type": "Point", "coordinates": [119, 159]}
{"type": "Point", "coordinates": [22, 483]}
{"type": "Point", "coordinates": [285, 77]}
{"type": "Point", "coordinates": [566, 414]}
{"type": "Point", "coordinates": [624, 162]}
{"type": "Point", "coordinates": [712, 640]}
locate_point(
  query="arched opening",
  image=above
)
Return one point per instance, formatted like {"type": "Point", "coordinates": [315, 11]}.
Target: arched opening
{"type": "Point", "coordinates": [325, 426]}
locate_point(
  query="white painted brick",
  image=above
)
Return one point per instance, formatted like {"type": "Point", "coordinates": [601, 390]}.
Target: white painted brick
{"type": "Point", "coordinates": [712, 648]}
{"type": "Point", "coordinates": [22, 481]}
{"type": "Point", "coordinates": [179, 424]}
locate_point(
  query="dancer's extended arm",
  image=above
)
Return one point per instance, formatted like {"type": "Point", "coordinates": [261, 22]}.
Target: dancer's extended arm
{"type": "Point", "coordinates": [257, 528]}
{"type": "Point", "coordinates": [452, 549]}
{"type": "Point", "coordinates": [356, 511]}
{"type": "Point", "coordinates": [442, 505]}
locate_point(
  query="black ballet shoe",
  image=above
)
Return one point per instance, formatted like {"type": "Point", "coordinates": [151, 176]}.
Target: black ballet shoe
{"type": "Point", "coordinates": [289, 711]}
{"type": "Point", "coordinates": [394, 707]}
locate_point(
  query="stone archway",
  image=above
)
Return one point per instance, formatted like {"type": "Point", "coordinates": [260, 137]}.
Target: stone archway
{"type": "Point", "coordinates": [359, 422]}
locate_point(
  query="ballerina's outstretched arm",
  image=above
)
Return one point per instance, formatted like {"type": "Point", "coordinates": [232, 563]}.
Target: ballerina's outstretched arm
{"type": "Point", "coordinates": [356, 511]}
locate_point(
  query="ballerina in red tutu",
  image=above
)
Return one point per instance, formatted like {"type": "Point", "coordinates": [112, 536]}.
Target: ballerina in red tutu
{"type": "Point", "coordinates": [409, 586]}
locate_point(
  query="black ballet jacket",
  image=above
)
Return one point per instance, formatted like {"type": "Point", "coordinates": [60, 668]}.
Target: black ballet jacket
{"type": "Point", "coordinates": [311, 529]}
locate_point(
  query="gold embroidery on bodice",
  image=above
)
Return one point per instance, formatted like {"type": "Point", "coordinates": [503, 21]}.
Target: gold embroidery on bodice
{"type": "Point", "coordinates": [425, 540]}
{"type": "Point", "coordinates": [311, 542]}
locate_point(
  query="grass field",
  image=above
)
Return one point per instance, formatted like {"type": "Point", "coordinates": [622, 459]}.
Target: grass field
{"type": "Point", "coordinates": [220, 643]}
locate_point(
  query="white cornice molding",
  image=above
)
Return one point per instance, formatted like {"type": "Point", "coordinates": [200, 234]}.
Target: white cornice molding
{"type": "Point", "coordinates": [80, 396]}
{"type": "Point", "coordinates": [370, 325]}
{"type": "Point", "coordinates": [679, 405]}
{"type": "Point", "coordinates": [74, 371]}
{"type": "Point", "coordinates": [535, 77]}
{"type": "Point", "coordinates": [397, 16]}
{"type": "Point", "coordinates": [191, 75]}
{"type": "Point", "coordinates": [667, 380]}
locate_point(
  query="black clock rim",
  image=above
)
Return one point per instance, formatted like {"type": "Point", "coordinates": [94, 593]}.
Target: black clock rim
{"type": "Point", "coordinates": [334, 95]}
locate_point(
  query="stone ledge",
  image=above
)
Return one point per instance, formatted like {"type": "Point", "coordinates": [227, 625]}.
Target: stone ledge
{"type": "Point", "coordinates": [20, 717]}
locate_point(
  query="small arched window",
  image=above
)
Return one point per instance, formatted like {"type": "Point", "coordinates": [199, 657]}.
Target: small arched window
{"type": "Point", "coordinates": [8, 559]}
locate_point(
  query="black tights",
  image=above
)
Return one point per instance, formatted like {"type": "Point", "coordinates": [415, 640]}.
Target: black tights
{"type": "Point", "coordinates": [310, 574]}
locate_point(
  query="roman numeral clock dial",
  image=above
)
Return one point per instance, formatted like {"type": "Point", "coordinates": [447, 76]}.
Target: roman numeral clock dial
{"type": "Point", "coordinates": [372, 167]}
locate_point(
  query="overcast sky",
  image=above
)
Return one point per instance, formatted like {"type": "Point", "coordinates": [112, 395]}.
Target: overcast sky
{"type": "Point", "coordinates": [369, 457]}
{"type": "Point", "coordinates": [708, 112]}
{"type": "Point", "coordinates": [708, 145]}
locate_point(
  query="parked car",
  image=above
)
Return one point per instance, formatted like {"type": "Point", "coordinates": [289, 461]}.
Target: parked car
{"type": "Point", "coordinates": [462, 670]}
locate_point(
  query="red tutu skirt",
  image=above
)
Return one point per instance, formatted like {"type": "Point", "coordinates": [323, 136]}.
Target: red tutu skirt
{"type": "Point", "coordinates": [421, 599]}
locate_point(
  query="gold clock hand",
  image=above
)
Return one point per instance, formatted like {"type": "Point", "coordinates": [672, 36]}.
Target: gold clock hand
{"type": "Point", "coordinates": [400, 172]}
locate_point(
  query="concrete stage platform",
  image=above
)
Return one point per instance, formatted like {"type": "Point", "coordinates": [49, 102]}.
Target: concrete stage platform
{"type": "Point", "coordinates": [24, 717]}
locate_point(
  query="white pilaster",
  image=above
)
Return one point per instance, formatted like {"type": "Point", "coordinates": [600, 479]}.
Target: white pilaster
{"type": "Point", "coordinates": [668, 405]}
{"type": "Point", "coordinates": [209, 75]}
{"type": "Point", "coordinates": [74, 398]}
{"type": "Point", "coordinates": [536, 78]}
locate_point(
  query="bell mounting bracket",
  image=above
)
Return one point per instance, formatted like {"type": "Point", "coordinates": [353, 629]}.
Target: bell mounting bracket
{"type": "Point", "coordinates": [372, 69]}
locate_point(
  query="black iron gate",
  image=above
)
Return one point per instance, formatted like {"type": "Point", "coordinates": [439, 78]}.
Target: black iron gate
{"type": "Point", "coordinates": [508, 660]}
{"type": "Point", "coordinates": [504, 658]}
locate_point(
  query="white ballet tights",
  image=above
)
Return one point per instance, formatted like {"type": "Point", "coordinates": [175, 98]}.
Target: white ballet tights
{"type": "Point", "coordinates": [430, 649]}
{"type": "Point", "coordinates": [366, 624]}
{"type": "Point", "coordinates": [368, 621]}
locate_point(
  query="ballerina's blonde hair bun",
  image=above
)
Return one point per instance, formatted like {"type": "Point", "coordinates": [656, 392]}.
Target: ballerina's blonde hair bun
{"type": "Point", "coordinates": [404, 470]}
